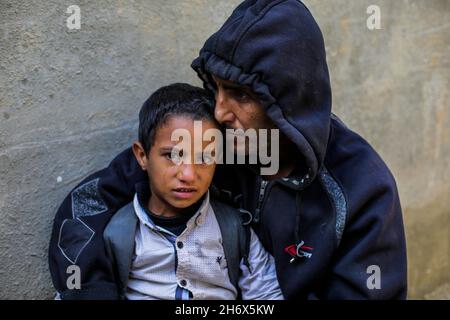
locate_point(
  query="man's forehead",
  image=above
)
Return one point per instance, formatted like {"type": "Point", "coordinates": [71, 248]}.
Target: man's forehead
{"type": "Point", "coordinates": [229, 83]}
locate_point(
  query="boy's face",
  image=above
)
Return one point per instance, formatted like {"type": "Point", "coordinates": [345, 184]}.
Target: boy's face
{"type": "Point", "coordinates": [174, 187]}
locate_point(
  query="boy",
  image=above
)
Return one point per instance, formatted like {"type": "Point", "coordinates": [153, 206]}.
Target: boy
{"type": "Point", "coordinates": [174, 241]}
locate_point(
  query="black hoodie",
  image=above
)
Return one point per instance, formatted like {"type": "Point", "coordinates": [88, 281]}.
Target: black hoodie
{"type": "Point", "coordinates": [346, 202]}
{"type": "Point", "coordinates": [334, 226]}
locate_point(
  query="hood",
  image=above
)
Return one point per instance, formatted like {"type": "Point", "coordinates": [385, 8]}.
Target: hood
{"type": "Point", "coordinates": [277, 49]}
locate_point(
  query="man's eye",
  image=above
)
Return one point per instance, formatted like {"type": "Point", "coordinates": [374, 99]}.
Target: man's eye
{"type": "Point", "coordinates": [240, 95]}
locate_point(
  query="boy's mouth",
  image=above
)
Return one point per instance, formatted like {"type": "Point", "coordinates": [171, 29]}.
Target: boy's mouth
{"type": "Point", "coordinates": [184, 193]}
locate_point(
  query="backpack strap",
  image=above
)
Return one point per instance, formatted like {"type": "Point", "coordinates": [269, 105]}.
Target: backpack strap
{"type": "Point", "coordinates": [235, 229]}
{"type": "Point", "coordinates": [119, 237]}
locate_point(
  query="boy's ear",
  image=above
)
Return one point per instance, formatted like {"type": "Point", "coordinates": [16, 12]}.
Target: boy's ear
{"type": "Point", "coordinates": [140, 155]}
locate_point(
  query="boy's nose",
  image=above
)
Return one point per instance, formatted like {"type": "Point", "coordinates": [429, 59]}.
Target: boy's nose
{"type": "Point", "coordinates": [186, 173]}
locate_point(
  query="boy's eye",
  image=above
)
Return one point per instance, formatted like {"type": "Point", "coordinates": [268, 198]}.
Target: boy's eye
{"type": "Point", "coordinates": [207, 159]}
{"type": "Point", "coordinates": [173, 156]}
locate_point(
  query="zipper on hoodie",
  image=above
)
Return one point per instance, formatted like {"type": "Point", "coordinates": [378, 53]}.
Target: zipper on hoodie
{"type": "Point", "coordinates": [262, 191]}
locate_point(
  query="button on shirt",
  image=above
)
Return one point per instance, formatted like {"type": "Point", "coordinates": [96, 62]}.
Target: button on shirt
{"type": "Point", "coordinates": [193, 264]}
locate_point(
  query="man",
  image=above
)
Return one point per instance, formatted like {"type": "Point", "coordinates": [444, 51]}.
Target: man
{"type": "Point", "coordinates": [330, 216]}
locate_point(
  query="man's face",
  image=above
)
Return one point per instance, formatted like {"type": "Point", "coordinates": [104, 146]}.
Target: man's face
{"type": "Point", "coordinates": [237, 107]}
{"type": "Point", "coordinates": [174, 186]}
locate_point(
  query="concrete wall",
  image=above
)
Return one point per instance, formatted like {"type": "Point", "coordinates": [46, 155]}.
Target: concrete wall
{"type": "Point", "coordinates": [69, 101]}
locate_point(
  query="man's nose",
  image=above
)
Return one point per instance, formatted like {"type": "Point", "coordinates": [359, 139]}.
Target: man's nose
{"type": "Point", "coordinates": [186, 173]}
{"type": "Point", "coordinates": [222, 110]}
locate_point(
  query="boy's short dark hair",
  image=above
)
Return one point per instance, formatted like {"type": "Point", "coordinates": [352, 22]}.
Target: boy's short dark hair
{"type": "Point", "coordinates": [175, 99]}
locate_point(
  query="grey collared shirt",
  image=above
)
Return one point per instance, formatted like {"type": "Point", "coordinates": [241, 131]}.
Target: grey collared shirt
{"type": "Point", "coordinates": [165, 266]}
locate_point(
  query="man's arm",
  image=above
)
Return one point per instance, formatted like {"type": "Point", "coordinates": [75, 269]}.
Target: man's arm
{"type": "Point", "coordinates": [77, 234]}
{"type": "Point", "coordinates": [370, 262]}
